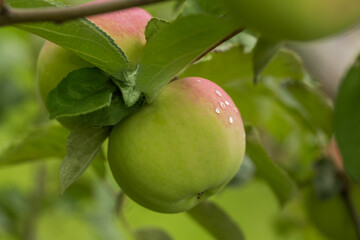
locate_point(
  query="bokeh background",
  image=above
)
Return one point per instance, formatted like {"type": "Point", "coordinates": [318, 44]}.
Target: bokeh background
{"type": "Point", "coordinates": [31, 206]}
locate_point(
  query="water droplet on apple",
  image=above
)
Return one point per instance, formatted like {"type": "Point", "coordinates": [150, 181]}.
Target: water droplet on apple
{"type": "Point", "coordinates": [217, 110]}
{"type": "Point", "coordinates": [198, 80]}
{"type": "Point", "coordinates": [231, 119]}
{"type": "Point", "coordinates": [223, 106]}
{"type": "Point", "coordinates": [218, 93]}
{"type": "Point", "coordinates": [235, 109]}
{"type": "Point", "coordinates": [227, 103]}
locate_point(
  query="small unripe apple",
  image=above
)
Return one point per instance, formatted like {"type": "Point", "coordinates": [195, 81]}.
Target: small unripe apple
{"type": "Point", "coordinates": [296, 19]}
{"type": "Point", "coordinates": [180, 149]}
{"type": "Point", "coordinates": [125, 27]}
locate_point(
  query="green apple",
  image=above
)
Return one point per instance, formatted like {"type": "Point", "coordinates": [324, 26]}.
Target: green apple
{"type": "Point", "coordinates": [296, 19]}
{"type": "Point", "coordinates": [126, 27]}
{"type": "Point", "coordinates": [180, 149]}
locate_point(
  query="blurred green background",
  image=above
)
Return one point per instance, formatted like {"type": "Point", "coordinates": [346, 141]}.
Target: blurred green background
{"type": "Point", "coordinates": [294, 130]}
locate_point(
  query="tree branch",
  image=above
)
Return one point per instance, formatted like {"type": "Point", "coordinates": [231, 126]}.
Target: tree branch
{"type": "Point", "coordinates": [2, 7]}
{"type": "Point", "coordinates": [58, 15]}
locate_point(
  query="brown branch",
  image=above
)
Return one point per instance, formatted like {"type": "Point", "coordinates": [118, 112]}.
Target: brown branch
{"type": "Point", "coordinates": [231, 35]}
{"type": "Point", "coordinates": [3, 9]}
{"type": "Point", "coordinates": [11, 15]}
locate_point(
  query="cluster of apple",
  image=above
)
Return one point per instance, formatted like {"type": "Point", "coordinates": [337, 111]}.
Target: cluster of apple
{"type": "Point", "coordinates": [190, 142]}
{"type": "Point", "coordinates": [174, 152]}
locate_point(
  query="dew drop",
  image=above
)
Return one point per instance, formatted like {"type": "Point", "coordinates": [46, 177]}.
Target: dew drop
{"type": "Point", "coordinates": [198, 80]}
{"type": "Point", "coordinates": [218, 93]}
{"type": "Point", "coordinates": [223, 106]}
{"type": "Point", "coordinates": [235, 109]}
{"type": "Point", "coordinates": [231, 119]}
{"type": "Point", "coordinates": [227, 103]}
{"type": "Point", "coordinates": [217, 110]}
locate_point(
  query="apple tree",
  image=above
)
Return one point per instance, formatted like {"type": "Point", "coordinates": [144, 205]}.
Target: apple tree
{"type": "Point", "coordinates": [178, 119]}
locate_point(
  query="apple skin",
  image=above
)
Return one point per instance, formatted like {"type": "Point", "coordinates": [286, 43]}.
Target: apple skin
{"type": "Point", "coordinates": [297, 19]}
{"type": "Point", "coordinates": [125, 27]}
{"type": "Point", "coordinates": [179, 150]}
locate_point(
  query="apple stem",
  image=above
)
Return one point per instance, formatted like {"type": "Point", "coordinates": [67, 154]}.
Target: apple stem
{"type": "Point", "coordinates": [59, 15]}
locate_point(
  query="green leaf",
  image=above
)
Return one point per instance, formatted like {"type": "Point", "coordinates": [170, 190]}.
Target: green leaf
{"type": "Point", "coordinates": [153, 26]}
{"type": "Point", "coordinates": [279, 181]}
{"type": "Point", "coordinates": [220, 73]}
{"type": "Point", "coordinates": [288, 102]}
{"type": "Point", "coordinates": [347, 120]}
{"type": "Point", "coordinates": [174, 47]}
{"type": "Point", "coordinates": [216, 221]}
{"type": "Point", "coordinates": [126, 85]}
{"type": "Point", "coordinates": [82, 146]}
{"type": "Point", "coordinates": [111, 115]}
{"type": "Point", "coordinates": [316, 105]}
{"type": "Point", "coordinates": [47, 141]}
{"type": "Point", "coordinates": [82, 91]}
{"type": "Point", "coordinates": [80, 36]}
{"type": "Point", "coordinates": [264, 52]}
{"type": "Point", "coordinates": [152, 234]}
{"type": "Point", "coordinates": [284, 66]}
{"type": "Point", "coordinates": [243, 39]}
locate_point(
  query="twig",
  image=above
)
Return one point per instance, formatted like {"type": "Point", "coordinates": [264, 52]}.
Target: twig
{"type": "Point", "coordinates": [3, 8]}
{"type": "Point", "coordinates": [345, 194]}
{"type": "Point", "coordinates": [58, 15]}
{"type": "Point", "coordinates": [231, 35]}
